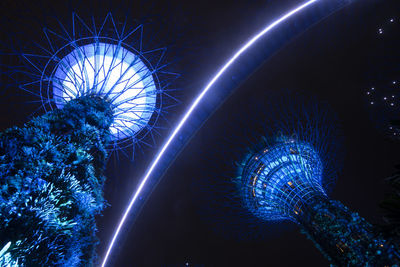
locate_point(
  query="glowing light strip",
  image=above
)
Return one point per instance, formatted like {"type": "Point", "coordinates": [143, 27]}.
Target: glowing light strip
{"type": "Point", "coordinates": [189, 112]}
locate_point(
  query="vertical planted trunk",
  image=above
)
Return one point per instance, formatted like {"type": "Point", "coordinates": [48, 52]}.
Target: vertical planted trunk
{"type": "Point", "coordinates": [51, 181]}
{"type": "Point", "coordinates": [344, 237]}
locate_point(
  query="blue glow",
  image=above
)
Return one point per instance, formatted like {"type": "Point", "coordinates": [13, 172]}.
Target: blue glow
{"type": "Point", "coordinates": [189, 112]}
{"type": "Point", "coordinates": [276, 183]}
{"type": "Point", "coordinates": [107, 59]}
{"type": "Point", "coordinates": [5, 257]}
{"type": "Point", "coordinates": [111, 72]}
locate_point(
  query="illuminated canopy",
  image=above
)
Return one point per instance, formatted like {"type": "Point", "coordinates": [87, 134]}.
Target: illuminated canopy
{"type": "Point", "coordinates": [279, 180]}
{"type": "Point", "coordinates": [113, 73]}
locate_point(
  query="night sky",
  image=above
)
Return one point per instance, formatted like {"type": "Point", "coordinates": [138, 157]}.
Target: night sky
{"type": "Point", "coordinates": [336, 61]}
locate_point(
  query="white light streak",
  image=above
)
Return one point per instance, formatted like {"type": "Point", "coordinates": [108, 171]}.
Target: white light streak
{"type": "Point", "coordinates": [189, 112]}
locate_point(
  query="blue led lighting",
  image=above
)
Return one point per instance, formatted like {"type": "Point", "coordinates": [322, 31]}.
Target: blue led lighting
{"type": "Point", "coordinates": [107, 60]}
{"type": "Point", "coordinates": [187, 114]}
{"type": "Point", "coordinates": [111, 72]}
{"type": "Point", "coordinates": [276, 183]}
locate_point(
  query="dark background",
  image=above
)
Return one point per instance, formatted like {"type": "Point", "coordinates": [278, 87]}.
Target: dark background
{"type": "Point", "coordinates": [336, 60]}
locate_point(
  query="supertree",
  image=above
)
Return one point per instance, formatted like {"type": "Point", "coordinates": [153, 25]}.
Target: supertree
{"type": "Point", "coordinates": [285, 173]}
{"type": "Point", "coordinates": [284, 182]}
{"type": "Point", "coordinates": [99, 93]}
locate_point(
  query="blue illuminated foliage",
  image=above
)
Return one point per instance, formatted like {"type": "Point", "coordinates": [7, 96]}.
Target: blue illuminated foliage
{"type": "Point", "coordinates": [283, 181]}
{"type": "Point", "coordinates": [101, 89]}
{"type": "Point", "coordinates": [293, 129]}
{"type": "Point", "coordinates": [103, 59]}
{"type": "Point", "coordinates": [51, 185]}
{"type": "Point", "coordinates": [111, 72]}
{"type": "Point", "coordinates": [286, 163]}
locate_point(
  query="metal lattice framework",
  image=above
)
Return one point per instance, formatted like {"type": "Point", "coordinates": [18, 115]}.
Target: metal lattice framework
{"type": "Point", "coordinates": [113, 73]}
{"type": "Point", "coordinates": [107, 61]}
{"type": "Point", "coordinates": [277, 182]}
{"type": "Point", "coordinates": [284, 182]}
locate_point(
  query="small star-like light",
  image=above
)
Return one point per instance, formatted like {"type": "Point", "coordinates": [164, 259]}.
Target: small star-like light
{"type": "Point", "coordinates": [372, 88]}
{"type": "Point", "coordinates": [368, 93]}
{"type": "Point", "coordinates": [385, 98]}
{"type": "Point", "coordinates": [372, 102]}
{"type": "Point", "coordinates": [380, 31]}
{"type": "Point", "coordinates": [392, 96]}
{"type": "Point", "coordinates": [392, 104]}
{"type": "Point", "coordinates": [394, 82]}
{"type": "Point", "coordinates": [391, 20]}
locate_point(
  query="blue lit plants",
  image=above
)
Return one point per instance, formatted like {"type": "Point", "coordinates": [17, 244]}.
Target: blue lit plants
{"type": "Point", "coordinates": [274, 123]}
{"type": "Point", "coordinates": [101, 91]}
{"type": "Point", "coordinates": [108, 59]}
{"type": "Point", "coordinates": [287, 176]}
{"type": "Point", "coordinates": [51, 186]}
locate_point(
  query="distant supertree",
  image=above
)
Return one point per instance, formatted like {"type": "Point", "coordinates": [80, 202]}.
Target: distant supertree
{"type": "Point", "coordinates": [99, 93]}
{"type": "Point", "coordinates": [287, 176]}
{"type": "Point", "coordinates": [284, 182]}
